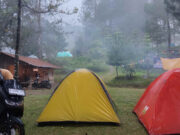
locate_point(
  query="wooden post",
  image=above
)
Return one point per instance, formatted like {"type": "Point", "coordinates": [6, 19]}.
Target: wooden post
{"type": "Point", "coordinates": [16, 72]}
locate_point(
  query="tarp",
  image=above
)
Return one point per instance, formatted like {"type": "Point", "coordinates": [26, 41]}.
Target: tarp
{"type": "Point", "coordinates": [80, 97]}
{"type": "Point", "coordinates": [159, 107]}
{"type": "Point", "coordinates": [169, 64]}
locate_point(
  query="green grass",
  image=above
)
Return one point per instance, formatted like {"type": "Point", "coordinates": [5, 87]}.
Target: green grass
{"type": "Point", "coordinates": [125, 99]}
{"type": "Point", "coordinates": [136, 82]}
{"type": "Point", "coordinates": [139, 81]}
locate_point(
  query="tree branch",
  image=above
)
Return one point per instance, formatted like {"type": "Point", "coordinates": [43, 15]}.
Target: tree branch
{"type": "Point", "coordinates": [50, 8]}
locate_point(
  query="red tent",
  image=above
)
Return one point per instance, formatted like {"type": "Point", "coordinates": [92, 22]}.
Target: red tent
{"type": "Point", "coordinates": [159, 107]}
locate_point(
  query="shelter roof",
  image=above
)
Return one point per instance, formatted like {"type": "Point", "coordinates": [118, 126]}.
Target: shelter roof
{"type": "Point", "coordinates": [33, 61]}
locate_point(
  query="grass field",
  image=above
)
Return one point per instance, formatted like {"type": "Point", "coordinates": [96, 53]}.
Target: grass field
{"type": "Point", "coordinates": [125, 99]}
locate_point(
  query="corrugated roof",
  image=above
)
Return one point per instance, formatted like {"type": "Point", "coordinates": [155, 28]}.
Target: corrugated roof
{"type": "Point", "coordinates": [34, 61]}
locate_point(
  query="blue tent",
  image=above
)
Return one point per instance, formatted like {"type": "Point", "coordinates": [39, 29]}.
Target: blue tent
{"type": "Point", "coordinates": [64, 54]}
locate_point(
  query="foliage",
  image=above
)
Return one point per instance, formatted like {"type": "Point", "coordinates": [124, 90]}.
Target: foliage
{"type": "Point", "coordinates": [160, 26]}
{"type": "Point", "coordinates": [92, 50]}
{"type": "Point", "coordinates": [124, 52]}
{"type": "Point", "coordinates": [156, 21]}
{"type": "Point", "coordinates": [122, 40]}
{"type": "Point", "coordinates": [117, 52]}
{"type": "Point", "coordinates": [129, 70]}
{"type": "Point", "coordinates": [115, 17]}
{"type": "Point", "coordinates": [139, 80]}
{"type": "Point", "coordinates": [71, 64]}
{"type": "Point", "coordinates": [8, 25]}
{"type": "Point", "coordinates": [136, 82]}
{"type": "Point", "coordinates": [173, 7]}
{"type": "Point", "coordinates": [52, 36]}
{"type": "Point", "coordinates": [81, 48]}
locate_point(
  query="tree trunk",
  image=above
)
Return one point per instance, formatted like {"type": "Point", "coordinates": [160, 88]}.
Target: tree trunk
{"type": "Point", "coordinates": [117, 74]}
{"type": "Point", "coordinates": [147, 73]}
{"type": "Point", "coordinates": [39, 31]}
{"type": "Point", "coordinates": [169, 35]}
{"type": "Point", "coordinates": [157, 46]}
{"type": "Point", "coordinates": [16, 71]}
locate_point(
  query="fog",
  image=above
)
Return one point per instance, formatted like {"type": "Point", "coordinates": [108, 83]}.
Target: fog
{"type": "Point", "coordinates": [101, 33]}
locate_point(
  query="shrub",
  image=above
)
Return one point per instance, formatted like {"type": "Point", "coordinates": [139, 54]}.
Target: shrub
{"type": "Point", "coordinates": [129, 70]}
{"type": "Point", "coordinates": [70, 64]}
{"type": "Point", "coordinates": [137, 82]}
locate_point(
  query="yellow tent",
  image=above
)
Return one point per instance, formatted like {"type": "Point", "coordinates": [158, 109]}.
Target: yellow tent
{"type": "Point", "coordinates": [169, 64]}
{"type": "Point", "coordinates": [80, 97]}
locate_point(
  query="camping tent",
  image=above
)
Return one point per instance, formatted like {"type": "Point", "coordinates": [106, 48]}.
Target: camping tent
{"type": "Point", "coordinates": [169, 64]}
{"type": "Point", "coordinates": [80, 97]}
{"type": "Point", "coordinates": [159, 107]}
{"type": "Point", "coordinates": [64, 54]}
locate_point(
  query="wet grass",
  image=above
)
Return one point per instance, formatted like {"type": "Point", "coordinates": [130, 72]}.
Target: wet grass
{"type": "Point", "coordinates": [136, 82]}
{"type": "Point", "coordinates": [125, 99]}
{"type": "Point", "coordinates": [140, 79]}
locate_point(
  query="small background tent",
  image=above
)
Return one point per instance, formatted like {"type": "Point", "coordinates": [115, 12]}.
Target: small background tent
{"type": "Point", "coordinates": [80, 97]}
{"type": "Point", "coordinates": [64, 54]}
{"type": "Point", "coordinates": [169, 64]}
{"type": "Point", "coordinates": [159, 107]}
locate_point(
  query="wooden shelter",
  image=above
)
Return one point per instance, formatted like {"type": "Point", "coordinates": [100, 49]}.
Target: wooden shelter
{"type": "Point", "coordinates": [28, 67]}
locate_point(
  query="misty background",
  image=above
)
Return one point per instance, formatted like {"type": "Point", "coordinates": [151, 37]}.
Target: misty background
{"type": "Point", "coordinates": [125, 36]}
